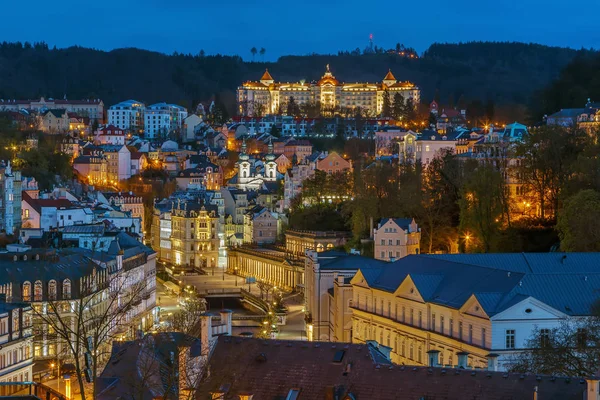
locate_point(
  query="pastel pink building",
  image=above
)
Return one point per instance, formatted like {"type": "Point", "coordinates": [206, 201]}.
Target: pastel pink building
{"type": "Point", "coordinates": [396, 238]}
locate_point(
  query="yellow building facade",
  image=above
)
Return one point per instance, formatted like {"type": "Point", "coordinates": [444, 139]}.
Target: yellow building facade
{"type": "Point", "coordinates": [194, 236]}
{"type": "Point", "coordinates": [412, 327]}
{"type": "Point", "coordinates": [258, 98]}
{"type": "Point", "coordinates": [403, 321]}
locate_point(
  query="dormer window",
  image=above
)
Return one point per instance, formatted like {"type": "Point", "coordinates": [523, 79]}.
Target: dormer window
{"type": "Point", "coordinates": [66, 289]}
{"type": "Point", "coordinates": [26, 291]}
{"type": "Point", "coordinates": [37, 294]}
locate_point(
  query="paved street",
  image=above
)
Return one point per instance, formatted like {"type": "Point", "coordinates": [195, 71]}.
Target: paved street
{"type": "Point", "coordinates": [219, 280]}
{"type": "Point", "coordinates": [294, 328]}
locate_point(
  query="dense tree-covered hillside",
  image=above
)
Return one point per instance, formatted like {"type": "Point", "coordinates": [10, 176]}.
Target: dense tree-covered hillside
{"type": "Point", "coordinates": [501, 72]}
{"type": "Point", "coordinates": [577, 82]}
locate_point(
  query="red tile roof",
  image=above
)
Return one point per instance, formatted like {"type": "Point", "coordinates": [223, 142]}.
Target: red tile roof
{"type": "Point", "coordinates": [38, 204]}
{"type": "Point", "coordinates": [269, 369]}
{"type": "Point", "coordinates": [389, 76]}
{"type": "Point", "coordinates": [266, 76]}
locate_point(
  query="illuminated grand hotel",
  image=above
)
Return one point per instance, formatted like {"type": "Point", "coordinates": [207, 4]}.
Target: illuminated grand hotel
{"type": "Point", "coordinates": [268, 97]}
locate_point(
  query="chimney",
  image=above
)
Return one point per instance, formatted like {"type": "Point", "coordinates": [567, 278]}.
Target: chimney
{"type": "Point", "coordinates": [226, 319]}
{"type": "Point", "coordinates": [492, 362]}
{"type": "Point", "coordinates": [205, 332]}
{"type": "Point", "coordinates": [372, 233]}
{"type": "Point", "coordinates": [340, 280]}
{"type": "Point", "coordinates": [463, 360]}
{"type": "Point", "coordinates": [592, 388]}
{"type": "Point", "coordinates": [434, 358]}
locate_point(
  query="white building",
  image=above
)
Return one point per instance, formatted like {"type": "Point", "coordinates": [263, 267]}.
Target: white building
{"type": "Point", "coordinates": [162, 119]}
{"type": "Point", "coordinates": [110, 135]}
{"type": "Point", "coordinates": [127, 115]}
{"type": "Point", "coordinates": [191, 125]}
{"type": "Point", "coordinates": [118, 166]}
{"type": "Point", "coordinates": [53, 213]}
{"type": "Point", "coordinates": [92, 108]}
{"type": "Point", "coordinates": [16, 344]}
{"type": "Point", "coordinates": [253, 173]}
{"type": "Point", "coordinates": [424, 146]}
{"type": "Point", "coordinates": [294, 179]}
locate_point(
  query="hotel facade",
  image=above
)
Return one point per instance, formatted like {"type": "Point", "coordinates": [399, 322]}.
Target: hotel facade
{"type": "Point", "coordinates": [258, 98]}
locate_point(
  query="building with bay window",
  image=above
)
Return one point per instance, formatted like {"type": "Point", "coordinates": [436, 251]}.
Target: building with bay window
{"type": "Point", "coordinates": [16, 344]}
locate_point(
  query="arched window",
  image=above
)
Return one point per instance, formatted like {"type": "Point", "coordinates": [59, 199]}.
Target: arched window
{"type": "Point", "coordinates": [26, 291]}
{"type": "Point", "coordinates": [66, 289]}
{"type": "Point", "coordinates": [37, 291]}
{"type": "Point", "coordinates": [319, 247]}
{"type": "Point", "coordinates": [244, 174]}
{"type": "Point", "coordinates": [52, 290]}
{"type": "Point", "coordinates": [419, 355]}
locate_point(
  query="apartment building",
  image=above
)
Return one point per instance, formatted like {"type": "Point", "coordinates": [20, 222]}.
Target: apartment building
{"type": "Point", "coordinates": [16, 344]}
{"type": "Point", "coordinates": [127, 115]}
{"type": "Point", "coordinates": [161, 119]}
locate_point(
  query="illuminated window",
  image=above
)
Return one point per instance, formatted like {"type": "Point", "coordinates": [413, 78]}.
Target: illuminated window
{"type": "Point", "coordinates": [37, 291]}
{"type": "Point", "coordinates": [66, 289]}
{"type": "Point", "coordinates": [26, 291]}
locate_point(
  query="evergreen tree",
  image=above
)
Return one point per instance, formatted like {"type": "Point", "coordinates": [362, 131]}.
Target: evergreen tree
{"type": "Point", "coordinates": [292, 108]}
{"type": "Point", "coordinates": [409, 112]}
{"type": "Point", "coordinates": [275, 131]}
{"type": "Point", "coordinates": [386, 110]}
{"type": "Point", "coordinates": [432, 119]}
{"type": "Point", "coordinates": [398, 107]}
{"type": "Point", "coordinates": [219, 114]}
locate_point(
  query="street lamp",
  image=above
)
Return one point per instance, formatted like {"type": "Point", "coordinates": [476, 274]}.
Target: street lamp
{"type": "Point", "coordinates": [57, 364]}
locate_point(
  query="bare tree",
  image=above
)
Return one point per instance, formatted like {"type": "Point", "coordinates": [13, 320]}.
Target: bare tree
{"type": "Point", "coordinates": [187, 319]}
{"type": "Point", "coordinates": [165, 366]}
{"type": "Point", "coordinates": [571, 349]}
{"type": "Point", "coordinates": [264, 288]}
{"type": "Point", "coordinates": [87, 325]}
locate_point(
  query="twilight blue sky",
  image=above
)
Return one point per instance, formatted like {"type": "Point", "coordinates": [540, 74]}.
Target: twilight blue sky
{"type": "Point", "coordinates": [295, 27]}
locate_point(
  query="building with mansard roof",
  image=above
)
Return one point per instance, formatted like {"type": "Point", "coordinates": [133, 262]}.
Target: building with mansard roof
{"type": "Point", "coordinates": [257, 98]}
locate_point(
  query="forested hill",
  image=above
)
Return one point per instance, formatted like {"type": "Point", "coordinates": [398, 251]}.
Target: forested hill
{"type": "Point", "coordinates": [577, 82]}
{"type": "Point", "coordinates": [502, 72]}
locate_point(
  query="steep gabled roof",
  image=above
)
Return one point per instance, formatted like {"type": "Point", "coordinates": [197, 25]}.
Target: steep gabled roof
{"type": "Point", "coordinates": [267, 76]}
{"type": "Point", "coordinates": [389, 76]}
